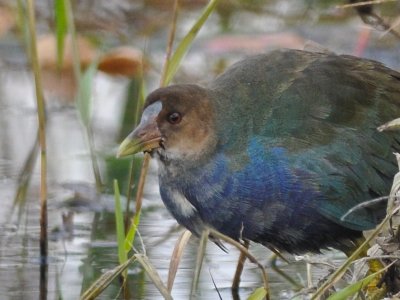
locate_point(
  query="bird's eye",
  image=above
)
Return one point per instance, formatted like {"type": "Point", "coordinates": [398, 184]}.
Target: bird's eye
{"type": "Point", "coordinates": [174, 118]}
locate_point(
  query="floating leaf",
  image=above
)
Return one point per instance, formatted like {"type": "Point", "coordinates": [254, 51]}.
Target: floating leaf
{"type": "Point", "coordinates": [122, 61]}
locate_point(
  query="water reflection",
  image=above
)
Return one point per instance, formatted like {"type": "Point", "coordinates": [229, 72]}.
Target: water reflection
{"type": "Point", "coordinates": [81, 221]}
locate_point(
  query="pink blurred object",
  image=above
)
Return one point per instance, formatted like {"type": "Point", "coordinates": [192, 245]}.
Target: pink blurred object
{"type": "Point", "coordinates": [362, 41]}
{"type": "Point", "coordinates": [7, 20]}
{"type": "Point", "coordinates": [254, 43]}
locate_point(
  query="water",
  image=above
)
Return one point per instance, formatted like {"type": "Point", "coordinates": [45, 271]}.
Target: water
{"type": "Point", "coordinates": [81, 223]}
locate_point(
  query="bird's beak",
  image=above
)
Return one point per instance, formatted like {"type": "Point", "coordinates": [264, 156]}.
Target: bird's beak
{"type": "Point", "coordinates": [146, 136]}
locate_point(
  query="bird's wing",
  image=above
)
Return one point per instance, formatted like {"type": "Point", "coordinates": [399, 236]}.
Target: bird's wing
{"type": "Point", "coordinates": [323, 109]}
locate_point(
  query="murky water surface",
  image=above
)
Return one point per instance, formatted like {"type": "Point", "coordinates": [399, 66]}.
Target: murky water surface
{"type": "Point", "coordinates": [81, 222]}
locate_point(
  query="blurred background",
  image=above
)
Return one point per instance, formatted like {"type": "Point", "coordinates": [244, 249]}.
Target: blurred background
{"type": "Point", "coordinates": [127, 39]}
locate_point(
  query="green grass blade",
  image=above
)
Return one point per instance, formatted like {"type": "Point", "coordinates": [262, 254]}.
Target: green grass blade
{"type": "Point", "coordinates": [61, 20]}
{"type": "Point", "coordinates": [184, 45]}
{"type": "Point", "coordinates": [354, 288]}
{"type": "Point", "coordinates": [130, 236]}
{"type": "Point", "coordinates": [258, 294]}
{"type": "Point", "coordinates": [119, 220]}
{"type": "Point", "coordinates": [22, 16]}
{"type": "Point", "coordinates": [84, 100]}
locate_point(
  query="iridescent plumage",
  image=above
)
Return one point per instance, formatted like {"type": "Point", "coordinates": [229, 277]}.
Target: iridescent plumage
{"type": "Point", "coordinates": [277, 149]}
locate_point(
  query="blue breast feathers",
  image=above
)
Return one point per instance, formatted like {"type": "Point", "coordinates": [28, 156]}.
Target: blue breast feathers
{"type": "Point", "coordinates": [254, 194]}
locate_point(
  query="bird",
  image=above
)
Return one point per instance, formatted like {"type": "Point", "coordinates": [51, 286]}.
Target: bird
{"type": "Point", "coordinates": [277, 149]}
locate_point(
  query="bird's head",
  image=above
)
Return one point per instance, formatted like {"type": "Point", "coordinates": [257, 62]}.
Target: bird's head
{"type": "Point", "coordinates": [177, 124]}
